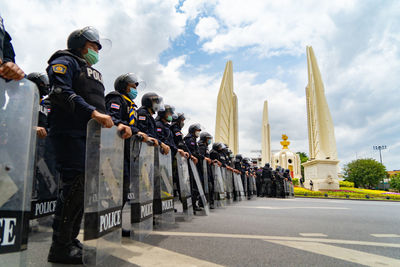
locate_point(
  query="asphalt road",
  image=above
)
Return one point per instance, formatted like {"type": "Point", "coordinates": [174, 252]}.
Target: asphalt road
{"type": "Point", "coordinates": [266, 232]}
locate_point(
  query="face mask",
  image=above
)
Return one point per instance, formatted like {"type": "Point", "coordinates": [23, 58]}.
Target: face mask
{"type": "Point", "coordinates": [209, 142]}
{"type": "Point", "coordinates": [169, 118]}
{"type": "Point", "coordinates": [197, 133]}
{"type": "Point", "coordinates": [92, 57]}
{"type": "Point", "coordinates": [133, 93]}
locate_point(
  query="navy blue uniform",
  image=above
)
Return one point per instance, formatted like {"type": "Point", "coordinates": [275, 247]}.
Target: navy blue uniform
{"type": "Point", "coordinates": [178, 137]}
{"type": "Point", "coordinates": [165, 135]}
{"type": "Point", "coordinates": [146, 123]}
{"type": "Point", "coordinates": [6, 49]}
{"type": "Point", "coordinates": [77, 90]}
{"type": "Point", "coordinates": [119, 107]}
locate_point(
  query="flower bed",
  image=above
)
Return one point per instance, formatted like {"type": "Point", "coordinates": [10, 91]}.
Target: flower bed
{"type": "Point", "coordinates": [349, 192]}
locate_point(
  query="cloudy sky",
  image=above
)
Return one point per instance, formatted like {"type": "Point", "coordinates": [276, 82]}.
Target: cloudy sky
{"type": "Point", "coordinates": [181, 47]}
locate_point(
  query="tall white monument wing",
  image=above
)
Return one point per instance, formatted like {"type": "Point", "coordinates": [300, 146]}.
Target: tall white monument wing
{"type": "Point", "coordinates": [321, 133]}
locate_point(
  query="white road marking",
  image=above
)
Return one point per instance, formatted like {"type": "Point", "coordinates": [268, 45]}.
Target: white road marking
{"type": "Point", "coordinates": [313, 234]}
{"type": "Point", "coordinates": [290, 208]}
{"type": "Point", "coordinates": [146, 255]}
{"type": "Point", "coordinates": [286, 238]}
{"type": "Point", "coordinates": [346, 254]}
{"type": "Point", "coordinates": [385, 235]}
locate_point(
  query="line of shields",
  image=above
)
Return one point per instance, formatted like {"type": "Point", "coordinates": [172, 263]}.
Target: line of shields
{"type": "Point", "coordinates": [29, 183]}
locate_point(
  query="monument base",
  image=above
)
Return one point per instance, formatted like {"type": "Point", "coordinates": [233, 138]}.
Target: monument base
{"type": "Point", "coordinates": [322, 173]}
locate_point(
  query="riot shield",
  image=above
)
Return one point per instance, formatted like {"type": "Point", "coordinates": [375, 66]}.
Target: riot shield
{"type": "Point", "coordinates": [103, 193]}
{"type": "Point", "coordinates": [205, 180]}
{"type": "Point", "coordinates": [45, 180]}
{"type": "Point", "coordinates": [286, 188]}
{"type": "Point", "coordinates": [163, 204]}
{"type": "Point", "coordinates": [219, 198]}
{"type": "Point", "coordinates": [142, 184]}
{"type": "Point", "coordinates": [239, 186]}
{"type": "Point", "coordinates": [254, 186]}
{"type": "Point", "coordinates": [228, 186]}
{"type": "Point", "coordinates": [198, 182]}
{"type": "Point", "coordinates": [184, 188]}
{"type": "Point", "coordinates": [236, 187]}
{"type": "Point", "coordinates": [18, 119]}
{"type": "Point", "coordinates": [224, 186]}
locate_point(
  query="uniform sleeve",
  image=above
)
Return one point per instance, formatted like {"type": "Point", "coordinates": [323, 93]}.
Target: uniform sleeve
{"type": "Point", "coordinates": [8, 50]}
{"type": "Point", "coordinates": [61, 72]}
{"type": "Point", "coordinates": [114, 108]}
{"type": "Point", "coordinates": [142, 123]}
{"type": "Point", "coordinates": [161, 134]}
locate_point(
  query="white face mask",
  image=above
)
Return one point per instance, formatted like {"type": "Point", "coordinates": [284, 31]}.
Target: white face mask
{"type": "Point", "coordinates": [197, 133]}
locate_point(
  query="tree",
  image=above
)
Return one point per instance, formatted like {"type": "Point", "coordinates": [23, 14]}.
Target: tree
{"type": "Point", "coordinates": [366, 173]}
{"type": "Point", "coordinates": [395, 182]}
{"type": "Point", "coordinates": [303, 158]}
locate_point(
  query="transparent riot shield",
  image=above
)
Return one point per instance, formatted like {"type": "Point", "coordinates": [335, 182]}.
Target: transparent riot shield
{"type": "Point", "coordinates": [224, 186]}
{"type": "Point", "coordinates": [184, 188]}
{"type": "Point", "coordinates": [18, 119]}
{"type": "Point", "coordinates": [142, 184]}
{"type": "Point", "coordinates": [205, 180]}
{"type": "Point", "coordinates": [218, 186]}
{"type": "Point", "coordinates": [230, 188]}
{"type": "Point", "coordinates": [45, 180]}
{"type": "Point", "coordinates": [254, 185]}
{"type": "Point", "coordinates": [163, 204]}
{"type": "Point", "coordinates": [239, 186]}
{"type": "Point", "coordinates": [103, 193]}
{"type": "Point", "coordinates": [198, 182]}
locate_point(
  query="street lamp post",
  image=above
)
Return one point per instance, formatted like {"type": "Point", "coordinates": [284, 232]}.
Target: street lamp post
{"type": "Point", "coordinates": [380, 148]}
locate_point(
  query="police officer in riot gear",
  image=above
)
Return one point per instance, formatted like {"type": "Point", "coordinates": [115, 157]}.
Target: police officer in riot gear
{"type": "Point", "coordinates": [203, 143]}
{"type": "Point", "coordinates": [151, 104]}
{"type": "Point", "coordinates": [121, 107]}
{"type": "Point", "coordinates": [8, 69]}
{"type": "Point", "coordinates": [267, 180]}
{"type": "Point", "coordinates": [191, 143]}
{"type": "Point", "coordinates": [165, 135]}
{"type": "Point", "coordinates": [77, 95]}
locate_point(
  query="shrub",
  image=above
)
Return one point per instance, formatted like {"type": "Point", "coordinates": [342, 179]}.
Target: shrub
{"type": "Point", "coordinates": [346, 184]}
{"type": "Point", "coordinates": [295, 181]}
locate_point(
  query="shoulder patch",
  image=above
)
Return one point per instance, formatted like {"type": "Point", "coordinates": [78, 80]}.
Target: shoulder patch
{"type": "Point", "coordinates": [159, 130]}
{"type": "Point", "coordinates": [59, 68]}
{"type": "Point", "coordinates": [142, 118]}
{"type": "Point", "coordinates": [114, 106]}
{"type": "Point", "coordinates": [178, 133]}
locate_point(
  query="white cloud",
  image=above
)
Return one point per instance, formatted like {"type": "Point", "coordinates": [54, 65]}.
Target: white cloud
{"type": "Point", "coordinates": [207, 28]}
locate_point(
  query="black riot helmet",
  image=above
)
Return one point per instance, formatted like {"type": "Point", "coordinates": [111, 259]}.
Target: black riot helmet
{"type": "Point", "coordinates": [266, 166]}
{"type": "Point", "coordinates": [78, 38]}
{"type": "Point", "coordinates": [178, 119]}
{"type": "Point", "coordinates": [42, 82]}
{"type": "Point", "coordinates": [204, 136]}
{"type": "Point", "coordinates": [167, 109]}
{"type": "Point", "coordinates": [153, 101]}
{"type": "Point", "coordinates": [122, 82]}
{"type": "Point", "coordinates": [239, 157]}
{"type": "Point", "coordinates": [194, 127]}
{"type": "Point", "coordinates": [217, 146]}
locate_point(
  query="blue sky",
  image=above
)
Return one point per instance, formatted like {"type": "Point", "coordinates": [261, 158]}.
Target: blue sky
{"type": "Point", "coordinates": [180, 48]}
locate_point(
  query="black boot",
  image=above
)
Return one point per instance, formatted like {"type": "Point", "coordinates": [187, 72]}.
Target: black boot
{"type": "Point", "coordinates": [68, 254]}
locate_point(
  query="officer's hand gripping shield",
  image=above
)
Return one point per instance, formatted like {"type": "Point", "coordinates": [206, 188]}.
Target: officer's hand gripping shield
{"type": "Point", "coordinates": [18, 120]}
{"type": "Point", "coordinates": [103, 193]}
{"type": "Point", "coordinates": [198, 182]}
{"type": "Point", "coordinates": [142, 184]}
{"type": "Point", "coordinates": [184, 188]}
{"type": "Point", "coordinates": [163, 205]}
